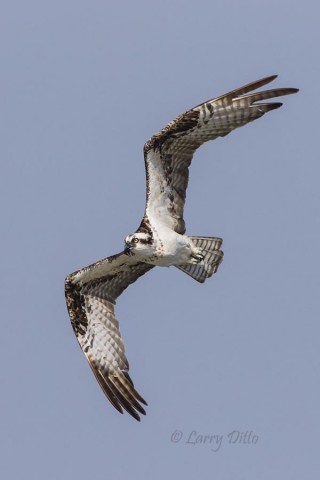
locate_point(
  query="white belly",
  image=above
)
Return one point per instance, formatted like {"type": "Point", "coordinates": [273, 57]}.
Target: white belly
{"type": "Point", "coordinates": [170, 248]}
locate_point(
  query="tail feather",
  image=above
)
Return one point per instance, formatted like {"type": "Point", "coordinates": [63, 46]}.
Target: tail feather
{"type": "Point", "coordinates": [212, 258]}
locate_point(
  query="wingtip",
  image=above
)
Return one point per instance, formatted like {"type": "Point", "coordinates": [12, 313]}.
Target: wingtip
{"type": "Point", "coordinates": [261, 82]}
{"type": "Point", "coordinates": [270, 78]}
{"type": "Point", "coordinates": [135, 415]}
{"type": "Point", "coordinates": [274, 106]}
{"type": "Point", "coordinates": [141, 399]}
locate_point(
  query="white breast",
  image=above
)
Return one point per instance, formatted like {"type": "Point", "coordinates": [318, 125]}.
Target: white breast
{"type": "Point", "coordinates": [171, 248]}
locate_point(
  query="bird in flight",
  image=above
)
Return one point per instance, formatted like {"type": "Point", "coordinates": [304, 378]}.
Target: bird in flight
{"type": "Point", "coordinates": [160, 240]}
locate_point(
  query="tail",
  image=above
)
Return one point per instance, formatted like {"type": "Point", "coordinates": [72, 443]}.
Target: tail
{"type": "Point", "coordinates": [213, 256]}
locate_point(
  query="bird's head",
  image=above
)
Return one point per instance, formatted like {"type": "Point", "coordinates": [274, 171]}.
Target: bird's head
{"type": "Point", "coordinates": [137, 243]}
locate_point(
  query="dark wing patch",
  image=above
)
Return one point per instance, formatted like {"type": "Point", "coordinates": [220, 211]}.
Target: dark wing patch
{"type": "Point", "coordinates": [168, 153]}
{"type": "Point", "coordinates": [91, 308]}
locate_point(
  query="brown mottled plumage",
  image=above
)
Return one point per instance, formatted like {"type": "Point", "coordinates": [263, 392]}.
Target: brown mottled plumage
{"type": "Point", "coordinates": [91, 292]}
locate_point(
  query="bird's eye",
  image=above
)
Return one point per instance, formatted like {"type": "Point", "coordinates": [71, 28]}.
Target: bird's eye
{"type": "Point", "coordinates": [135, 240]}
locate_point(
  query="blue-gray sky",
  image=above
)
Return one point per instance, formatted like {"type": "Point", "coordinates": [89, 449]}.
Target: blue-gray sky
{"type": "Point", "coordinates": [83, 85]}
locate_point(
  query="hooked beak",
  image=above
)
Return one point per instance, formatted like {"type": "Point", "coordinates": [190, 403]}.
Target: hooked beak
{"type": "Point", "coordinates": [128, 249]}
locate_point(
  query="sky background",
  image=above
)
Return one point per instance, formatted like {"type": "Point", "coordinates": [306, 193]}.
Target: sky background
{"type": "Point", "coordinates": [83, 85]}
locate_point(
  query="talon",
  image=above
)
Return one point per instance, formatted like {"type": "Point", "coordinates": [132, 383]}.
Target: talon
{"type": "Point", "coordinates": [197, 255]}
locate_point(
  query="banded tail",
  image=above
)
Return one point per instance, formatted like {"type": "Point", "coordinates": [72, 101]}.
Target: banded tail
{"type": "Point", "coordinates": [213, 256]}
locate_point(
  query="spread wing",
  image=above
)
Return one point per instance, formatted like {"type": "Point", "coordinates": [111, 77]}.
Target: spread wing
{"type": "Point", "coordinates": [91, 295]}
{"type": "Point", "coordinates": [168, 153]}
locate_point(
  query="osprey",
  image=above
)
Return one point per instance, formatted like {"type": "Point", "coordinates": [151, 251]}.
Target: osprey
{"type": "Point", "coordinates": [160, 240]}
